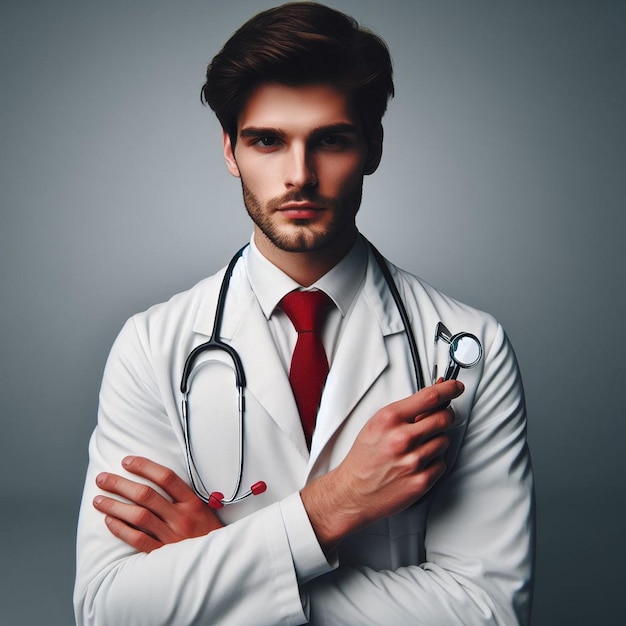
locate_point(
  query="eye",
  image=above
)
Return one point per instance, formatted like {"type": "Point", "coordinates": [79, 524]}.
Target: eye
{"type": "Point", "coordinates": [267, 142]}
{"type": "Point", "coordinates": [332, 141]}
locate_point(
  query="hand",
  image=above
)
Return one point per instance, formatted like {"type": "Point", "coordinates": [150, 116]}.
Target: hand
{"type": "Point", "coordinates": [395, 460]}
{"type": "Point", "coordinates": [151, 520]}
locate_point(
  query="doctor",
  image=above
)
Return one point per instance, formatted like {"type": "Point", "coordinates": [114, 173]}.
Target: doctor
{"type": "Point", "coordinates": [392, 506]}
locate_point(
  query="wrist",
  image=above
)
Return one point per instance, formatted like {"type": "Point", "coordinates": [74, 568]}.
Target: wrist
{"type": "Point", "coordinates": [329, 511]}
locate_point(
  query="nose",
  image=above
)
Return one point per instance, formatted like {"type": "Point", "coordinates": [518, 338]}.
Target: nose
{"type": "Point", "coordinates": [300, 169]}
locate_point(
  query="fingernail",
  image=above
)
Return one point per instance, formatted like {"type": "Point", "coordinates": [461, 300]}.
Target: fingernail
{"type": "Point", "coordinates": [100, 478]}
{"type": "Point", "coordinates": [126, 461]}
{"type": "Point", "coordinates": [460, 386]}
{"type": "Point", "coordinates": [98, 500]}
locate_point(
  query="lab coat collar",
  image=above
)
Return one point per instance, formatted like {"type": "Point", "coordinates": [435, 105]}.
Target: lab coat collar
{"type": "Point", "coordinates": [374, 290]}
{"type": "Point", "coordinates": [341, 283]}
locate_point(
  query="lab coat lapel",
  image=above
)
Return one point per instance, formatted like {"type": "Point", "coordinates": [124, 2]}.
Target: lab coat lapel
{"type": "Point", "coordinates": [361, 357]}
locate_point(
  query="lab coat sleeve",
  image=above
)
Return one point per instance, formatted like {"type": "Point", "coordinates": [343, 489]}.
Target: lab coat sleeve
{"type": "Point", "coordinates": [240, 574]}
{"type": "Point", "coordinates": [479, 532]}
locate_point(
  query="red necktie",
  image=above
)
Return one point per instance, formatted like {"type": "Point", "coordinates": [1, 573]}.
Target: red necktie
{"type": "Point", "coordinates": [309, 366]}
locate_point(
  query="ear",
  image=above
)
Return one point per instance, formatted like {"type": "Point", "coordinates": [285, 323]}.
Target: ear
{"type": "Point", "coordinates": [229, 155]}
{"type": "Point", "coordinates": [375, 150]}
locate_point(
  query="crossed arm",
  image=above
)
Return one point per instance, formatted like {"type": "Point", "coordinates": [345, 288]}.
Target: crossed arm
{"type": "Point", "coordinates": [396, 459]}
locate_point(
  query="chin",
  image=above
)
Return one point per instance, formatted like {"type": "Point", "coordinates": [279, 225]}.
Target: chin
{"type": "Point", "coordinates": [301, 242]}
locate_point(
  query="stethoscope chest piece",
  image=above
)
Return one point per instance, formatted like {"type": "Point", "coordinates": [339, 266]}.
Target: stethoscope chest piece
{"type": "Point", "coordinates": [465, 350]}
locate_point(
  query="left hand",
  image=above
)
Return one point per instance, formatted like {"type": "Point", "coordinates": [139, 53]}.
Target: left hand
{"type": "Point", "coordinates": [151, 520]}
{"type": "Point", "coordinates": [396, 458]}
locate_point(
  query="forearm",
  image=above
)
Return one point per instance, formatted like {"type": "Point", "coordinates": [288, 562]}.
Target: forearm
{"type": "Point", "coordinates": [415, 596]}
{"type": "Point", "coordinates": [476, 569]}
{"type": "Point", "coordinates": [395, 460]}
{"type": "Point", "coordinates": [242, 573]}
{"type": "Point", "coordinates": [477, 528]}
{"type": "Point", "coordinates": [478, 577]}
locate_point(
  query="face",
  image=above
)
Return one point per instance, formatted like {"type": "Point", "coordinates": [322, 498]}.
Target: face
{"type": "Point", "coordinates": [301, 156]}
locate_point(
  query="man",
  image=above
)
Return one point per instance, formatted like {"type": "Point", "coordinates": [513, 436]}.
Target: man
{"type": "Point", "coordinates": [383, 507]}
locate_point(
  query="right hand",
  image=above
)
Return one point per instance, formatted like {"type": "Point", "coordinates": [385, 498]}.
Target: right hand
{"type": "Point", "coordinates": [396, 459]}
{"type": "Point", "coordinates": [149, 520]}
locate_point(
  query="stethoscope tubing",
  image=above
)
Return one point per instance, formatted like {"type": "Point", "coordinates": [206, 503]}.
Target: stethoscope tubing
{"type": "Point", "coordinates": [215, 343]}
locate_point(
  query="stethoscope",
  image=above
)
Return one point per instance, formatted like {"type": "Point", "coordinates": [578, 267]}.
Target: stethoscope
{"type": "Point", "coordinates": [464, 351]}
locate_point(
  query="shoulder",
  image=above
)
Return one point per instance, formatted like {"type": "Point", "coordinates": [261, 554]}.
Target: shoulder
{"type": "Point", "coordinates": [498, 370]}
{"type": "Point", "coordinates": [427, 305]}
{"type": "Point", "coordinates": [423, 294]}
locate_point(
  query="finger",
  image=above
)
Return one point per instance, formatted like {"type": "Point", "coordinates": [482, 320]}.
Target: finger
{"type": "Point", "coordinates": [426, 400]}
{"type": "Point", "coordinates": [429, 452]}
{"type": "Point", "coordinates": [138, 517]}
{"type": "Point", "coordinates": [432, 424]}
{"type": "Point", "coordinates": [160, 475]}
{"type": "Point", "coordinates": [137, 493]}
{"type": "Point", "coordinates": [443, 405]}
{"type": "Point", "coordinates": [133, 537]}
{"type": "Point", "coordinates": [426, 479]}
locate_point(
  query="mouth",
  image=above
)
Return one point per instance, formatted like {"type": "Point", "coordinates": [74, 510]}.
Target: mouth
{"type": "Point", "coordinates": [300, 210]}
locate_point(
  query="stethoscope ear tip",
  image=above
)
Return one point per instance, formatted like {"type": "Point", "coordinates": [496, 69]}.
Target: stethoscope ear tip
{"type": "Point", "coordinates": [258, 488]}
{"type": "Point", "coordinates": [215, 500]}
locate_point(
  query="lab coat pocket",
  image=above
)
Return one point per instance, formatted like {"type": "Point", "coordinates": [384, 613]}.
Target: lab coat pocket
{"type": "Point", "coordinates": [407, 534]}
{"type": "Point", "coordinates": [389, 543]}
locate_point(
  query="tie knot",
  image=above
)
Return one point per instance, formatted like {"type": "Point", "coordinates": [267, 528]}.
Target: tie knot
{"type": "Point", "coordinates": [306, 309]}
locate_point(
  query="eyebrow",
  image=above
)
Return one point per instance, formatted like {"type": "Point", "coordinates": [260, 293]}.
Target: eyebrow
{"type": "Point", "coordinates": [257, 132]}
{"type": "Point", "coordinates": [254, 131]}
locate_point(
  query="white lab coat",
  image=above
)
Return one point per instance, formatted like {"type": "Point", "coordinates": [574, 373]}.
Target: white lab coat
{"type": "Point", "coordinates": [462, 555]}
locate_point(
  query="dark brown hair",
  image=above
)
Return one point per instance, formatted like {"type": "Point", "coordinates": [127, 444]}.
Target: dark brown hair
{"type": "Point", "coordinates": [295, 44]}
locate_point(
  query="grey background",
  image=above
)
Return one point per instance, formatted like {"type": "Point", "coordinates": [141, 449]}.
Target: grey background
{"type": "Point", "coordinates": [502, 183]}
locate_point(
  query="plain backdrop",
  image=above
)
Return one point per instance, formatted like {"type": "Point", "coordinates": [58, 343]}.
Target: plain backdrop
{"type": "Point", "coordinates": [502, 183]}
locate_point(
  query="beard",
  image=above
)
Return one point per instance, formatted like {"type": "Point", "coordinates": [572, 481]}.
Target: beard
{"type": "Point", "coordinates": [303, 236]}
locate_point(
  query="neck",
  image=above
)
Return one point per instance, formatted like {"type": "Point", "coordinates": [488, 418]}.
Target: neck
{"type": "Point", "coordinates": [308, 266]}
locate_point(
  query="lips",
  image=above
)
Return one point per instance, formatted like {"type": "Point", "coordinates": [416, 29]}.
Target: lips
{"type": "Point", "coordinates": [300, 210]}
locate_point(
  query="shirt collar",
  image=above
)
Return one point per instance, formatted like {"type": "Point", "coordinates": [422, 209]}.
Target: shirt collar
{"type": "Point", "coordinates": [341, 283]}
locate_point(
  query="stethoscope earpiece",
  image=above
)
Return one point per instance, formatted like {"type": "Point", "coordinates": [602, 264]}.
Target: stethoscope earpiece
{"type": "Point", "coordinates": [216, 499]}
